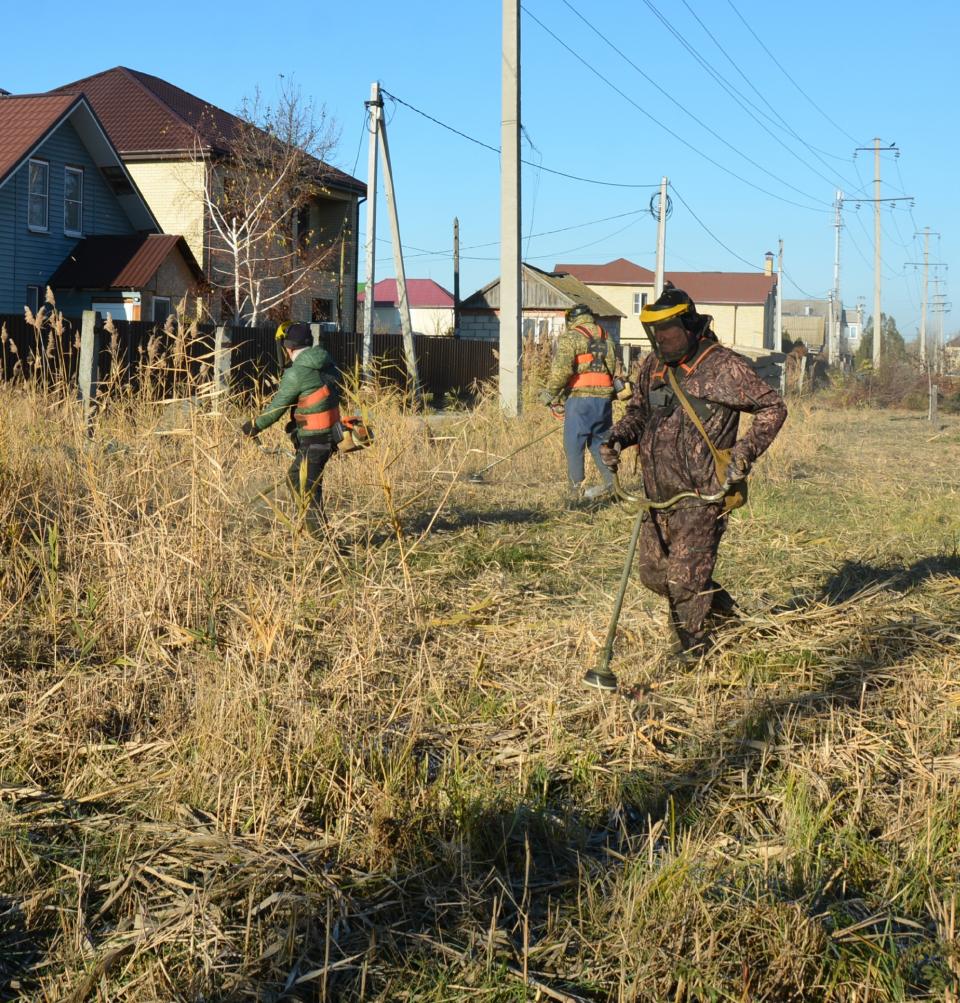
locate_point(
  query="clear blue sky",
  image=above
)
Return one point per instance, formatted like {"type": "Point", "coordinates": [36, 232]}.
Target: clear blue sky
{"type": "Point", "coordinates": [874, 68]}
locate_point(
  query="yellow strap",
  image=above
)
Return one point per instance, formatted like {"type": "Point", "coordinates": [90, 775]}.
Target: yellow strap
{"type": "Point", "coordinates": [692, 415]}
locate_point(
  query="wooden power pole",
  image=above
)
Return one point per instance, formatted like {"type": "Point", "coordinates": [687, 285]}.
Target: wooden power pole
{"type": "Point", "coordinates": [511, 283]}
{"type": "Point", "coordinates": [370, 253]}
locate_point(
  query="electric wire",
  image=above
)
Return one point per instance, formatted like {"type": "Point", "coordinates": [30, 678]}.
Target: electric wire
{"type": "Point", "coordinates": [816, 151]}
{"type": "Point", "coordinates": [735, 94]}
{"type": "Point", "coordinates": [690, 146]}
{"type": "Point", "coordinates": [496, 149]}
{"type": "Point", "coordinates": [787, 75]}
{"type": "Point", "coordinates": [716, 135]}
{"type": "Point", "coordinates": [707, 229]}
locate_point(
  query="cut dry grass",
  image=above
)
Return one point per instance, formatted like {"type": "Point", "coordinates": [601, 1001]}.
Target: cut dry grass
{"type": "Point", "coordinates": [238, 764]}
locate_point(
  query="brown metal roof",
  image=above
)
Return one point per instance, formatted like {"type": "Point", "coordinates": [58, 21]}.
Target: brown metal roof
{"type": "Point", "coordinates": [742, 288]}
{"type": "Point", "coordinates": [25, 121]}
{"type": "Point", "coordinates": [147, 116]}
{"type": "Point", "coordinates": [120, 262]}
{"type": "Point", "coordinates": [707, 287]}
{"type": "Point", "coordinates": [619, 272]}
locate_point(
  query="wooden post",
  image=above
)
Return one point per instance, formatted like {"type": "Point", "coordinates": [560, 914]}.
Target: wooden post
{"type": "Point", "coordinates": [222, 358]}
{"type": "Point", "coordinates": [88, 376]}
{"type": "Point", "coordinates": [315, 331]}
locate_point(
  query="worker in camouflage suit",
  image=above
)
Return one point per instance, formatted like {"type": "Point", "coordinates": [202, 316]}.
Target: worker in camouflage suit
{"type": "Point", "coordinates": [308, 389]}
{"type": "Point", "coordinates": [678, 546]}
{"type": "Point", "coordinates": [582, 378]}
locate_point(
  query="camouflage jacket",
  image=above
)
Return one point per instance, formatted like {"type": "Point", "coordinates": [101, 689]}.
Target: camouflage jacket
{"type": "Point", "coordinates": [721, 384]}
{"type": "Point", "coordinates": [569, 361]}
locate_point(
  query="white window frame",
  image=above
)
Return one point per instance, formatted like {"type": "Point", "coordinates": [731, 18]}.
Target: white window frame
{"type": "Point", "coordinates": [45, 196]}
{"type": "Point", "coordinates": [153, 306]}
{"type": "Point", "coordinates": [639, 302]}
{"type": "Point", "coordinates": [78, 232]}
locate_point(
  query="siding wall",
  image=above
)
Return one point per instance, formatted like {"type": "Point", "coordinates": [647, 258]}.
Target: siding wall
{"type": "Point", "coordinates": [174, 191]}
{"type": "Point", "coordinates": [28, 258]}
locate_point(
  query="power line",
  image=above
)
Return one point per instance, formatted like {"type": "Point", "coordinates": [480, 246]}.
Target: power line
{"type": "Point", "coordinates": [728, 249]}
{"type": "Point", "coordinates": [716, 135]}
{"type": "Point", "coordinates": [737, 96]}
{"type": "Point", "coordinates": [780, 66]}
{"type": "Point", "coordinates": [785, 124]}
{"type": "Point", "coordinates": [656, 121]}
{"type": "Point", "coordinates": [423, 252]}
{"type": "Point", "coordinates": [496, 149]}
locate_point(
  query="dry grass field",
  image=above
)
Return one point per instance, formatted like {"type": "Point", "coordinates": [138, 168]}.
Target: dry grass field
{"type": "Point", "coordinates": [240, 764]}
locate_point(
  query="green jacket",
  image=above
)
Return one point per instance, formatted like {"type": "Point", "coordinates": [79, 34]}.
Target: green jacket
{"type": "Point", "coordinates": [302, 387]}
{"type": "Point", "coordinates": [573, 343]}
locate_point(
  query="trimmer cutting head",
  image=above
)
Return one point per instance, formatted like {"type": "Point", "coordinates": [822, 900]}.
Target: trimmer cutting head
{"type": "Point", "coordinates": [601, 678]}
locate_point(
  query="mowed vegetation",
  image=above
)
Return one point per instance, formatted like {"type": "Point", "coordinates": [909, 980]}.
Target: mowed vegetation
{"type": "Point", "coordinates": [236, 763]}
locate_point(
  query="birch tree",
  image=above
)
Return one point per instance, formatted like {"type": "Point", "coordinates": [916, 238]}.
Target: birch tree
{"type": "Point", "coordinates": [258, 190]}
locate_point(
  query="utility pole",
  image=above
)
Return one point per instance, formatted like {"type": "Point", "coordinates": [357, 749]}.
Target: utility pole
{"type": "Point", "coordinates": [661, 239]}
{"type": "Point", "coordinates": [924, 299]}
{"type": "Point", "coordinates": [877, 201]}
{"type": "Point", "coordinates": [409, 351]}
{"type": "Point", "coordinates": [456, 275]}
{"type": "Point", "coordinates": [778, 338]}
{"type": "Point", "coordinates": [833, 352]}
{"type": "Point", "coordinates": [374, 106]}
{"type": "Point", "coordinates": [511, 284]}
{"type": "Point", "coordinates": [876, 253]}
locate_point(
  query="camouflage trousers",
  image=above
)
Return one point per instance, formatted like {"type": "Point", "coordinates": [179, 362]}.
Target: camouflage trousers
{"type": "Point", "coordinates": [677, 553]}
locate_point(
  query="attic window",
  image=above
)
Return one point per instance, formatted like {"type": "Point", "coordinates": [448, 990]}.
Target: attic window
{"type": "Point", "coordinates": [118, 181]}
{"type": "Point", "coordinates": [38, 190]}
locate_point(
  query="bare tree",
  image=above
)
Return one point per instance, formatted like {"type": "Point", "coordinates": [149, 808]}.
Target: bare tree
{"type": "Point", "coordinates": [258, 195]}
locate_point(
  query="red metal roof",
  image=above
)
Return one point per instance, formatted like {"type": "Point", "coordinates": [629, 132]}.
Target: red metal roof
{"type": "Point", "coordinates": [147, 116]}
{"type": "Point", "coordinates": [24, 122]}
{"type": "Point", "coordinates": [706, 287]}
{"type": "Point", "coordinates": [620, 272]}
{"type": "Point", "coordinates": [119, 262]}
{"type": "Point", "coordinates": [422, 294]}
{"type": "Point", "coordinates": [724, 287]}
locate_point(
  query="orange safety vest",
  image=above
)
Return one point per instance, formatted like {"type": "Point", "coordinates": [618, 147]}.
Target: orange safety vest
{"type": "Point", "coordinates": [316, 421]}
{"type": "Point", "coordinates": [589, 379]}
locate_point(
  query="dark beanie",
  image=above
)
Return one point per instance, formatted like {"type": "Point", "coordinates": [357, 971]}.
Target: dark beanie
{"type": "Point", "coordinates": [298, 336]}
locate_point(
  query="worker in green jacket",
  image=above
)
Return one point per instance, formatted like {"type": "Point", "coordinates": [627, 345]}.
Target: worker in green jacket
{"type": "Point", "coordinates": [309, 389]}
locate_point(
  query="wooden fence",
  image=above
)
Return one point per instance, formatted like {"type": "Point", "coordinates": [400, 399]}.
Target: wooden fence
{"type": "Point", "coordinates": [447, 366]}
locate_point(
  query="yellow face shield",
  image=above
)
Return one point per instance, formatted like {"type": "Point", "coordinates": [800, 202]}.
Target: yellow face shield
{"type": "Point", "coordinates": [282, 330]}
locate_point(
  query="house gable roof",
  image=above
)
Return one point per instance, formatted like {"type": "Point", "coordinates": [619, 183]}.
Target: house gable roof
{"type": "Point", "coordinates": [120, 262]}
{"type": "Point", "coordinates": [149, 118]}
{"type": "Point", "coordinates": [741, 288]}
{"type": "Point", "coordinates": [558, 292]}
{"type": "Point", "coordinates": [422, 294]}
{"type": "Point", "coordinates": [619, 272]}
{"type": "Point", "coordinates": [28, 120]}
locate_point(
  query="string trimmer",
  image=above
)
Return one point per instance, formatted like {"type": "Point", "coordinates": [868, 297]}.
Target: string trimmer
{"type": "Point", "coordinates": [601, 677]}
{"type": "Point", "coordinates": [477, 476]}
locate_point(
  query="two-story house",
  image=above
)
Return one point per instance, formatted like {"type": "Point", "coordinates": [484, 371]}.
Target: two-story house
{"type": "Point", "coordinates": [66, 197]}
{"type": "Point", "coordinates": [176, 147]}
{"type": "Point", "coordinates": [742, 304]}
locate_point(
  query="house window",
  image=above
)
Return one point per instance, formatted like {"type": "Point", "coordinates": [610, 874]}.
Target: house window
{"type": "Point", "coordinates": [73, 201]}
{"type": "Point", "coordinates": [33, 299]}
{"type": "Point", "coordinates": [639, 302]}
{"type": "Point", "coordinates": [38, 186]}
{"type": "Point", "coordinates": [321, 310]}
{"type": "Point", "coordinates": [161, 309]}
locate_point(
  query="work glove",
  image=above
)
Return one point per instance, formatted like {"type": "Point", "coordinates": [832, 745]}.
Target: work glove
{"type": "Point", "coordinates": [737, 471]}
{"type": "Point", "coordinates": [249, 429]}
{"type": "Point", "coordinates": [545, 397]}
{"type": "Point", "coordinates": [610, 454]}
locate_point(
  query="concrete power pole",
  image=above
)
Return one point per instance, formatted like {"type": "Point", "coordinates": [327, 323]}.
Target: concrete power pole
{"type": "Point", "coordinates": [409, 351]}
{"type": "Point", "coordinates": [833, 353]}
{"type": "Point", "coordinates": [876, 253]}
{"type": "Point", "coordinates": [456, 275]}
{"type": "Point", "coordinates": [778, 336]}
{"type": "Point", "coordinates": [661, 239]}
{"type": "Point", "coordinates": [373, 105]}
{"type": "Point", "coordinates": [923, 305]}
{"type": "Point", "coordinates": [511, 284]}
